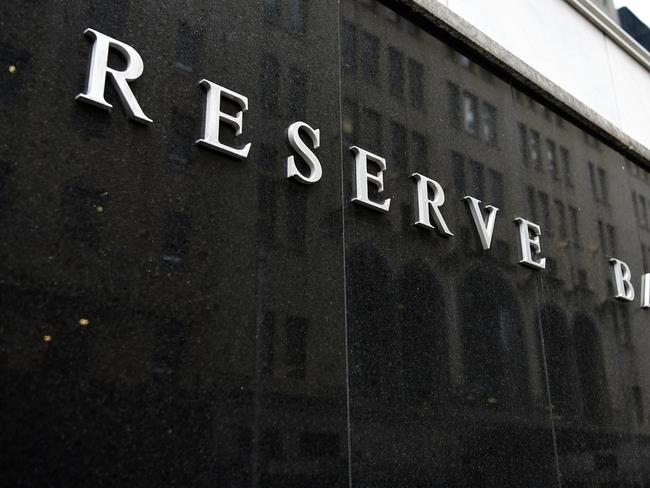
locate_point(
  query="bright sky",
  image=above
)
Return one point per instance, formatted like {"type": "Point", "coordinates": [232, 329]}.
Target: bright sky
{"type": "Point", "coordinates": [641, 8]}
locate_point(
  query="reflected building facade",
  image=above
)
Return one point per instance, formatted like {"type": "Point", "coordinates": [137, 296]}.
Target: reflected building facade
{"type": "Point", "coordinates": [171, 315]}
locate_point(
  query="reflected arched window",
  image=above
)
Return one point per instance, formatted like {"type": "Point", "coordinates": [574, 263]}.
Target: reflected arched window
{"type": "Point", "coordinates": [422, 334]}
{"type": "Point", "coordinates": [591, 370]}
{"type": "Point", "coordinates": [494, 354]}
{"type": "Point", "coordinates": [370, 305]}
{"type": "Point", "coordinates": [559, 361]}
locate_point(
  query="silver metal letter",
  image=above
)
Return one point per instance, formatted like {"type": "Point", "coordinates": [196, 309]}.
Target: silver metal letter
{"type": "Point", "coordinates": [645, 291]}
{"type": "Point", "coordinates": [622, 277]}
{"type": "Point", "coordinates": [98, 72]}
{"type": "Point", "coordinates": [363, 178]}
{"type": "Point", "coordinates": [315, 169]}
{"type": "Point", "coordinates": [214, 116]}
{"type": "Point", "coordinates": [423, 203]}
{"type": "Point", "coordinates": [529, 243]}
{"type": "Point", "coordinates": [485, 231]}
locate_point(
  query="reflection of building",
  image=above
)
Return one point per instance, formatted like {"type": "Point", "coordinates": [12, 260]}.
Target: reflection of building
{"type": "Point", "coordinates": [478, 136]}
{"type": "Point", "coordinates": [633, 26]}
{"type": "Point", "coordinates": [244, 330]}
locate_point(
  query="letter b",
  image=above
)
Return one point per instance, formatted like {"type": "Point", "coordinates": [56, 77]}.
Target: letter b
{"type": "Point", "coordinates": [622, 277]}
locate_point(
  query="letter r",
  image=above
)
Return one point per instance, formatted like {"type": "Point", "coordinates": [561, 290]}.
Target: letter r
{"type": "Point", "coordinates": [98, 71]}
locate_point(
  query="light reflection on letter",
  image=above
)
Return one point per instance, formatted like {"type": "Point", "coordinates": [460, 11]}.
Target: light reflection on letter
{"type": "Point", "coordinates": [485, 231]}
{"type": "Point", "coordinates": [214, 117]}
{"type": "Point", "coordinates": [529, 233]}
{"type": "Point", "coordinates": [424, 203]}
{"type": "Point", "coordinates": [298, 145]}
{"type": "Point", "coordinates": [362, 178]}
{"type": "Point", "coordinates": [622, 277]}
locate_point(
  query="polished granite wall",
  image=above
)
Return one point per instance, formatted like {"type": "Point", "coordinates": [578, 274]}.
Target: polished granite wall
{"type": "Point", "coordinates": [172, 316]}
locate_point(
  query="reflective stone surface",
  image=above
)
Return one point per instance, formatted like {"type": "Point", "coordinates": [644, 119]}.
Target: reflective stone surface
{"type": "Point", "coordinates": [172, 316]}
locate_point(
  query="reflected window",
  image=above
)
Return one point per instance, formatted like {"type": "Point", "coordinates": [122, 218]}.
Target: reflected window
{"type": "Point", "coordinates": [370, 56]}
{"type": "Point", "coordinates": [535, 149]}
{"type": "Point", "coordinates": [267, 338]}
{"type": "Point", "coordinates": [296, 352]}
{"type": "Point", "coordinates": [319, 444]}
{"type": "Point", "coordinates": [601, 237]}
{"type": "Point", "coordinates": [350, 120]}
{"type": "Point", "coordinates": [591, 369]}
{"type": "Point", "coordinates": [188, 47]}
{"type": "Point", "coordinates": [604, 187]}
{"type": "Point", "coordinates": [612, 240]}
{"type": "Point", "coordinates": [478, 179]}
{"type": "Point", "coordinates": [453, 104]}
{"type": "Point", "coordinates": [416, 83]}
{"type": "Point", "coordinates": [532, 203]}
{"type": "Point", "coordinates": [551, 156]}
{"type": "Point", "coordinates": [176, 239]}
{"type": "Point", "coordinates": [272, 12]}
{"type": "Point", "coordinates": [592, 180]}
{"type": "Point", "coordinates": [560, 363]}
{"type": "Point", "coordinates": [489, 123]}
{"type": "Point", "coordinates": [395, 72]}
{"type": "Point", "coordinates": [458, 168]}
{"type": "Point", "coordinates": [575, 227]}
{"type": "Point", "coordinates": [270, 83]}
{"type": "Point", "coordinates": [463, 61]}
{"type": "Point", "coordinates": [297, 14]}
{"type": "Point", "coordinates": [267, 197]}
{"type": "Point", "coordinates": [638, 405]}
{"type": "Point", "coordinates": [494, 352]}
{"type": "Point", "coordinates": [599, 184]}
{"type": "Point", "coordinates": [496, 188]}
{"type": "Point", "coordinates": [373, 132]}
{"type": "Point", "coordinates": [523, 142]}
{"type": "Point", "coordinates": [420, 149]}
{"type": "Point", "coordinates": [643, 211]}
{"type": "Point", "coordinates": [561, 216]}
{"type": "Point", "coordinates": [270, 444]}
{"type": "Point", "coordinates": [566, 164]}
{"type": "Point", "coordinates": [546, 213]}
{"type": "Point", "coordinates": [82, 209]}
{"type": "Point", "coordinates": [299, 86]}
{"type": "Point", "coordinates": [470, 119]}
{"type": "Point", "coordinates": [398, 141]}
{"type": "Point", "coordinates": [349, 48]}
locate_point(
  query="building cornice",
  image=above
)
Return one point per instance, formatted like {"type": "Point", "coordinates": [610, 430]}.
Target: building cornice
{"type": "Point", "coordinates": [611, 29]}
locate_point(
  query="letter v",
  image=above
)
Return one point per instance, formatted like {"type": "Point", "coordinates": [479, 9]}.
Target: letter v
{"type": "Point", "coordinates": [485, 231]}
